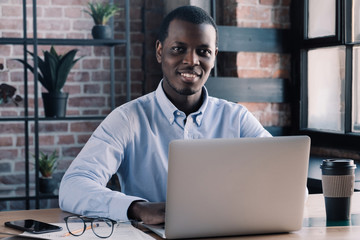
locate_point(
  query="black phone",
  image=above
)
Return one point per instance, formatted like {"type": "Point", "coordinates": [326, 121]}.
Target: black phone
{"type": "Point", "coordinates": [33, 226]}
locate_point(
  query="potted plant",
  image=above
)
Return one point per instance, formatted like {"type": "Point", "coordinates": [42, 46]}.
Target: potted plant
{"type": "Point", "coordinates": [54, 70]}
{"type": "Point", "coordinates": [47, 166]}
{"type": "Point", "coordinates": [101, 13]}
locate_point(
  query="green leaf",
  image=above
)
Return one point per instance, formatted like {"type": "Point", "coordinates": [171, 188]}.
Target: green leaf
{"type": "Point", "coordinates": [54, 69]}
{"type": "Point", "coordinates": [47, 163]}
{"type": "Point", "coordinates": [64, 67]}
{"type": "Point", "coordinates": [101, 13]}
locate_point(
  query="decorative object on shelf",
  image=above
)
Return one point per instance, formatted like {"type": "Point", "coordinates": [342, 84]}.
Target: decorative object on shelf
{"type": "Point", "coordinates": [101, 13]}
{"type": "Point", "coordinates": [54, 70]}
{"type": "Point", "coordinates": [47, 166]}
{"type": "Point", "coordinates": [7, 93]}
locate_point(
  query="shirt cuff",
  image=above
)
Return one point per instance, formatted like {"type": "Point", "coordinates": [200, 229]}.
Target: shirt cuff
{"type": "Point", "coordinates": [119, 206]}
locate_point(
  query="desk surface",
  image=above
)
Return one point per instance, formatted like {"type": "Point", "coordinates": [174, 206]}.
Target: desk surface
{"type": "Point", "coordinates": [314, 209]}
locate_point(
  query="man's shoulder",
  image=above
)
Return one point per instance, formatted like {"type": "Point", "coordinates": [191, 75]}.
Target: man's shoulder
{"type": "Point", "coordinates": [222, 103]}
{"type": "Point", "coordinates": [139, 104]}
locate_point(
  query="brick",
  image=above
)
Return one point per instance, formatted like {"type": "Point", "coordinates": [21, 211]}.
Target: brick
{"type": "Point", "coordinates": [83, 138]}
{"type": "Point", "coordinates": [13, 179]}
{"type": "Point", "coordinates": [70, 2]}
{"type": "Point", "coordinates": [79, 77]}
{"type": "Point", "coordinates": [66, 139]}
{"type": "Point", "coordinates": [52, 127]}
{"type": "Point", "coordinates": [5, 167]}
{"type": "Point", "coordinates": [20, 141]}
{"type": "Point", "coordinates": [54, 25]}
{"type": "Point", "coordinates": [101, 76]}
{"type": "Point", "coordinates": [91, 88]}
{"type": "Point", "coordinates": [11, 24]}
{"type": "Point", "coordinates": [5, 50]}
{"type": "Point", "coordinates": [91, 64]}
{"type": "Point", "coordinates": [6, 128]}
{"type": "Point", "coordinates": [46, 140]}
{"type": "Point", "coordinates": [83, 126]}
{"type": "Point", "coordinates": [87, 102]}
{"type": "Point", "coordinates": [6, 141]}
{"type": "Point", "coordinates": [269, 60]}
{"type": "Point", "coordinates": [53, 12]}
{"type": "Point", "coordinates": [246, 59]}
{"type": "Point", "coordinates": [11, 11]}
{"type": "Point", "coordinates": [101, 51]}
{"type": "Point", "coordinates": [92, 112]}
{"type": "Point", "coordinates": [83, 25]}
{"type": "Point", "coordinates": [252, 13]}
{"type": "Point", "coordinates": [281, 16]}
{"type": "Point", "coordinates": [73, 12]}
{"type": "Point", "coordinates": [72, 89]}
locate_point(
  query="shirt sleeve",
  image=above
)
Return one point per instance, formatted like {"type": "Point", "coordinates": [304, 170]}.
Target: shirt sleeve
{"type": "Point", "coordinates": [83, 187]}
{"type": "Point", "coordinates": [251, 127]}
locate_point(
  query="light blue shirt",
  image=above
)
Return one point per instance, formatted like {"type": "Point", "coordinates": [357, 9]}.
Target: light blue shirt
{"type": "Point", "coordinates": [133, 141]}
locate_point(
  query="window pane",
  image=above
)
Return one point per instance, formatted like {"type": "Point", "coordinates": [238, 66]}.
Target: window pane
{"type": "Point", "coordinates": [322, 18]}
{"type": "Point", "coordinates": [356, 91]}
{"type": "Point", "coordinates": [356, 20]}
{"type": "Point", "coordinates": [326, 85]}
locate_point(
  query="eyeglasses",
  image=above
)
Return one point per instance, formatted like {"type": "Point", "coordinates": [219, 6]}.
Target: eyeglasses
{"type": "Point", "coordinates": [101, 227]}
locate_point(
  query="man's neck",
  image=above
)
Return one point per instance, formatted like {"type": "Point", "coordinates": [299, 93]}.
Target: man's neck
{"type": "Point", "coordinates": [186, 103]}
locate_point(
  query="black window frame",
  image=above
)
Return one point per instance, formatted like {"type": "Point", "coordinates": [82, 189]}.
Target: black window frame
{"type": "Point", "coordinates": [347, 140]}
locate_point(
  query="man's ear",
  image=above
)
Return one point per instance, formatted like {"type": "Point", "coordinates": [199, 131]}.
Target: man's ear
{"type": "Point", "coordinates": [158, 51]}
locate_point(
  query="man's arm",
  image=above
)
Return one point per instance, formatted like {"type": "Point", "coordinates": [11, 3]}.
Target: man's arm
{"type": "Point", "coordinates": [83, 187]}
{"type": "Point", "coordinates": [147, 212]}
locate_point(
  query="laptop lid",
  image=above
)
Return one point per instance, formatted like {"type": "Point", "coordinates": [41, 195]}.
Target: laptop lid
{"type": "Point", "coordinates": [223, 187]}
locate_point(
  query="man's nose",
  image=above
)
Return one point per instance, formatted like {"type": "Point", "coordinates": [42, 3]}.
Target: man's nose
{"type": "Point", "coordinates": [191, 58]}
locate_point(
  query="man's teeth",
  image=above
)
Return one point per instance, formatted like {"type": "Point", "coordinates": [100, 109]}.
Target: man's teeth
{"type": "Point", "coordinates": [188, 75]}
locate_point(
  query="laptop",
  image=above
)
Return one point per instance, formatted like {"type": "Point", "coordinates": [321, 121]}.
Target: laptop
{"type": "Point", "coordinates": [227, 187]}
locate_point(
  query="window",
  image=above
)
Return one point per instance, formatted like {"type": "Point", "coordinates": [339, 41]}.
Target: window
{"type": "Point", "coordinates": [329, 70]}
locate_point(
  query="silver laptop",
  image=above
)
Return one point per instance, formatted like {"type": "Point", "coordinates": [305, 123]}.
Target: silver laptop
{"type": "Point", "coordinates": [224, 187]}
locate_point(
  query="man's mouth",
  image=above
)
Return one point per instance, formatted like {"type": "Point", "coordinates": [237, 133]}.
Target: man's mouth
{"type": "Point", "coordinates": [188, 75]}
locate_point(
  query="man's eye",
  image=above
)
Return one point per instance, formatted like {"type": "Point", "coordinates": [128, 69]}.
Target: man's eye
{"type": "Point", "coordinates": [204, 52]}
{"type": "Point", "coordinates": [178, 49]}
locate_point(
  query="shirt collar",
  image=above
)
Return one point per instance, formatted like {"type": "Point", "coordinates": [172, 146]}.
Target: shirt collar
{"type": "Point", "coordinates": [170, 111]}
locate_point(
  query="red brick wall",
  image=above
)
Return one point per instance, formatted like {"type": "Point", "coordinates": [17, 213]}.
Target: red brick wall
{"type": "Point", "coordinates": [257, 14]}
{"type": "Point", "coordinates": [88, 83]}
{"type": "Point", "coordinates": [88, 86]}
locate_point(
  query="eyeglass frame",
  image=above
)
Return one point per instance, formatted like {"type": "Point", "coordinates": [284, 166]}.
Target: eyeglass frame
{"type": "Point", "coordinates": [87, 219]}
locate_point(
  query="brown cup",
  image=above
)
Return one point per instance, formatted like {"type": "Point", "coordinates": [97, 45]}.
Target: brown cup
{"type": "Point", "coordinates": [338, 179]}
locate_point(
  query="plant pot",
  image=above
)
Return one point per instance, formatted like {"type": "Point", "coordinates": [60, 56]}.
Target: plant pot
{"type": "Point", "coordinates": [47, 185]}
{"type": "Point", "coordinates": [101, 32]}
{"type": "Point", "coordinates": [55, 104]}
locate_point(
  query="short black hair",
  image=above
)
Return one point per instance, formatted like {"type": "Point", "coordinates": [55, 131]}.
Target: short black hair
{"type": "Point", "coordinates": [192, 14]}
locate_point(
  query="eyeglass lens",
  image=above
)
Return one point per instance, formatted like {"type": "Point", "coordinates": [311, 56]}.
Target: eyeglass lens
{"type": "Point", "coordinates": [75, 225]}
{"type": "Point", "coordinates": [102, 227]}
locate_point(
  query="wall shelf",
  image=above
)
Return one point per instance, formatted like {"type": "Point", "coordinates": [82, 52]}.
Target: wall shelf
{"type": "Point", "coordinates": [35, 118]}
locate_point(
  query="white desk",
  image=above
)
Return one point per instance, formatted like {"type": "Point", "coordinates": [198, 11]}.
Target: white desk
{"type": "Point", "coordinates": [314, 212]}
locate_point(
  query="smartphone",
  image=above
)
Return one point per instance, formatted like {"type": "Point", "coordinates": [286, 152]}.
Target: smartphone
{"type": "Point", "coordinates": [33, 226]}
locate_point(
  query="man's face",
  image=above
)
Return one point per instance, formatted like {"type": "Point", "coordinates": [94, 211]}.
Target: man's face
{"type": "Point", "coordinates": [187, 56]}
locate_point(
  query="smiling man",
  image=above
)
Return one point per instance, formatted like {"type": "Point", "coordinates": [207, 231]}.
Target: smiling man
{"type": "Point", "coordinates": [133, 140]}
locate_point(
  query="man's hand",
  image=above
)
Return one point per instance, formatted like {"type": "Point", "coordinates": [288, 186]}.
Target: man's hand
{"type": "Point", "coordinates": [147, 212]}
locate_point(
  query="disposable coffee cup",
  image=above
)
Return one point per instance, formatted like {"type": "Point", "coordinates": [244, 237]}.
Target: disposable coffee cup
{"type": "Point", "coordinates": [338, 178]}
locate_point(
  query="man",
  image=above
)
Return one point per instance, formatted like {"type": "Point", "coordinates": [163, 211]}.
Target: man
{"type": "Point", "coordinates": [133, 140]}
